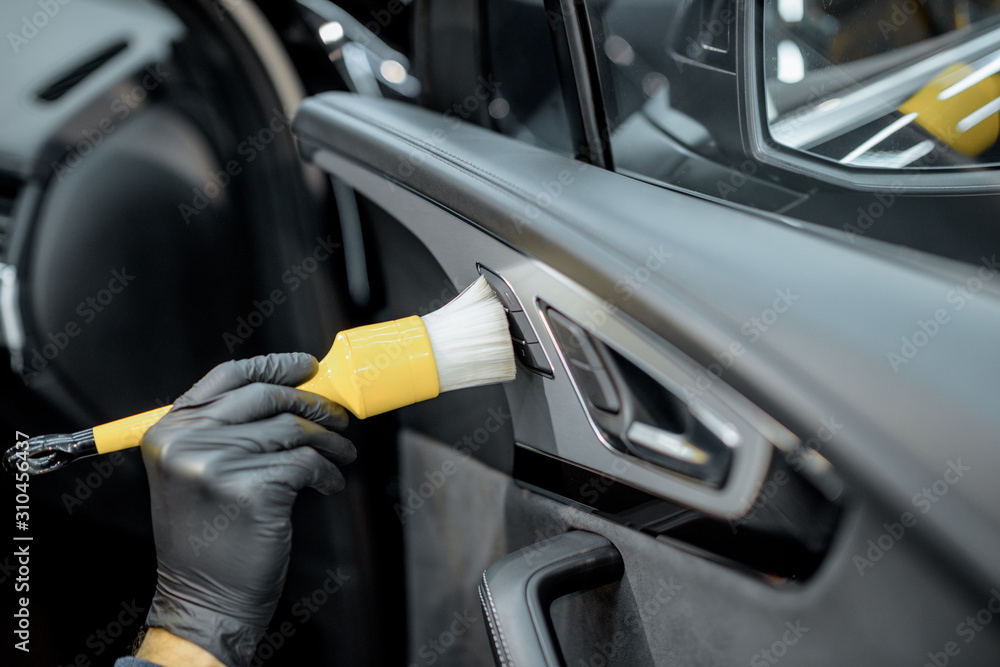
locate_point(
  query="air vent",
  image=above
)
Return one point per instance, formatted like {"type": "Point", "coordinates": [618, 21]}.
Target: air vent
{"type": "Point", "coordinates": [59, 88]}
{"type": "Point", "coordinates": [9, 189]}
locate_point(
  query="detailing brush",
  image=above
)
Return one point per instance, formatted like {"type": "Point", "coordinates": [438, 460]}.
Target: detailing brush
{"type": "Point", "coordinates": [369, 370]}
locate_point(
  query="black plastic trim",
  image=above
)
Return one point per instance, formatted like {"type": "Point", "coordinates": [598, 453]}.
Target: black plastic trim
{"type": "Point", "coordinates": [516, 592]}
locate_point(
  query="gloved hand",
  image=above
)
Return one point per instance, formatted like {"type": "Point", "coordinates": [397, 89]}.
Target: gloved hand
{"type": "Point", "coordinates": [224, 467]}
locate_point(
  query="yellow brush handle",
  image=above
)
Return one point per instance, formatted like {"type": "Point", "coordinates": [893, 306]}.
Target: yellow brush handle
{"type": "Point", "coordinates": [126, 432]}
{"type": "Point", "coordinates": [368, 370]}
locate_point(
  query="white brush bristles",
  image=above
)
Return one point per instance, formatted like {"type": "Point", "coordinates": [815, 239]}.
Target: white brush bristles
{"type": "Point", "coordinates": [470, 339]}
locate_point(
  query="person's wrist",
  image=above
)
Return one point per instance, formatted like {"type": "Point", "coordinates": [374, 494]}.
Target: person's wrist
{"type": "Point", "coordinates": [230, 640]}
{"type": "Point", "coordinates": [167, 649]}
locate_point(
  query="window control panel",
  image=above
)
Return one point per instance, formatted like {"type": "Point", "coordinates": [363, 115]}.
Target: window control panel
{"type": "Point", "coordinates": [585, 363]}
{"type": "Point", "coordinates": [527, 349]}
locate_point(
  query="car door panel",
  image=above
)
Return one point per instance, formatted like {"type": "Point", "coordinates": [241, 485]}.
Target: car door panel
{"type": "Point", "coordinates": [667, 281]}
{"type": "Point", "coordinates": [673, 603]}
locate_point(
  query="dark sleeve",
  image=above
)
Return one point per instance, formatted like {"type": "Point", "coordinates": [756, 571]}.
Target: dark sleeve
{"type": "Point", "coordinates": [129, 661]}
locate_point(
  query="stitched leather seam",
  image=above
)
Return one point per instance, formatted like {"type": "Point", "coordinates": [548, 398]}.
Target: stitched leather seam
{"type": "Point", "coordinates": [507, 658]}
{"type": "Point", "coordinates": [412, 139]}
{"type": "Point", "coordinates": [490, 624]}
{"type": "Point", "coordinates": [472, 169]}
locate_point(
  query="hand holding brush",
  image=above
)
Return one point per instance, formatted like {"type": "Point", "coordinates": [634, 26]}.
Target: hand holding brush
{"type": "Point", "coordinates": [369, 370]}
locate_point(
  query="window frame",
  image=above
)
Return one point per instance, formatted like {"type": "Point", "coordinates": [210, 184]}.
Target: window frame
{"type": "Point", "coordinates": [579, 63]}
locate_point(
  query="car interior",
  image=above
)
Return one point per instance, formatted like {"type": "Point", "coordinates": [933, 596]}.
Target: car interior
{"type": "Point", "coordinates": [747, 256]}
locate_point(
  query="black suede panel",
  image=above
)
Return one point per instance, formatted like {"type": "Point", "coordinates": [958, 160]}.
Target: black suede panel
{"type": "Point", "coordinates": [673, 607]}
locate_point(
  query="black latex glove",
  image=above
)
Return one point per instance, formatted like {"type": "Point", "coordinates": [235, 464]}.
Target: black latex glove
{"type": "Point", "coordinates": [224, 467]}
